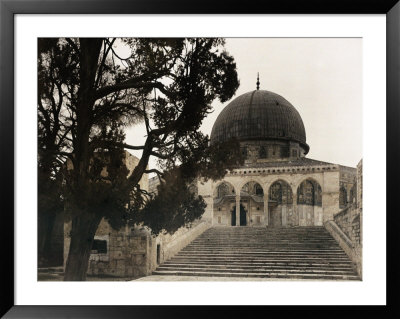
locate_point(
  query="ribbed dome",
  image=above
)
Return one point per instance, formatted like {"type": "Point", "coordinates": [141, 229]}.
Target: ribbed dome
{"type": "Point", "coordinates": [259, 115]}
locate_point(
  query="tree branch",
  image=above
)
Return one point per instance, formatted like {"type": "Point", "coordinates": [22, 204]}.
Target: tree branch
{"type": "Point", "coordinates": [131, 147]}
{"type": "Point", "coordinates": [134, 83]}
{"type": "Point", "coordinates": [159, 174]}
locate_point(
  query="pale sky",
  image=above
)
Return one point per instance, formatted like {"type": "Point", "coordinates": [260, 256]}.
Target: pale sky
{"type": "Point", "coordinates": [320, 77]}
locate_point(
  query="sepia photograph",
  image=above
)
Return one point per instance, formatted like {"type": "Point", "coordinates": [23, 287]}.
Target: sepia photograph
{"type": "Point", "coordinates": [199, 159]}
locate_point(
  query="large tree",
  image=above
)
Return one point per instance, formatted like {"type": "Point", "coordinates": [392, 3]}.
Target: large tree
{"type": "Point", "coordinates": [89, 94]}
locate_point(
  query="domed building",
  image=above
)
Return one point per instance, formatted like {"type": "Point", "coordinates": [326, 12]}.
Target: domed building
{"type": "Point", "coordinates": [277, 209]}
{"type": "Point", "coordinates": [278, 186]}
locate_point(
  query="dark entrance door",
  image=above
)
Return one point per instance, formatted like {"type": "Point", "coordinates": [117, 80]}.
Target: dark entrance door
{"type": "Point", "coordinates": [233, 218]}
{"type": "Point", "coordinates": [243, 215]}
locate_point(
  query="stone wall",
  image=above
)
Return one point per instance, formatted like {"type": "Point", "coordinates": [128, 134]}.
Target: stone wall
{"type": "Point", "coordinates": [133, 253]}
{"type": "Point", "coordinates": [347, 219]}
{"type": "Point", "coordinates": [126, 255]}
{"type": "Point", "coordinates": [309, 215]}
{"type": "Point", "coordinates": [153, 183]}
{"type": "Point", "coordinates": [259, 151]}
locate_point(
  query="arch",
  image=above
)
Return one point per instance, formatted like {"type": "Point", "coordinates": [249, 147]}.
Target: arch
{"type": "Point", "coordinates": [252, 187]}
{"type": "Point", "coordinates": [251, 179]}
{"type": "Point", "coordinates": [309, 192]}
{"type": "Point", "coordinates": [313, 179]}
{"type": "Point", "coordinates": [268, 184]}
{"type": "Point", "coordinates": [223, 188]}
{"type": "Point", "coordinates": [280, 192]}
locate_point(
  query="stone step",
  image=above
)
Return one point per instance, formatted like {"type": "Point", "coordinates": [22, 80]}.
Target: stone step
{"type": "Point", "coordinates": [256, 275]}
{"type": "Point", "coordinates": [263, 266]}
{"type": "Point", "coordinates": [257, 255]}
{"type": "Point", "coordinates": [263, 240]}
{"type": "Point", "coordinates": [262, 263]}
{"type": "Point", "coordinates": [271, 246]}
{"type": "Point", "coordinates": [262, 260]}
{"type": "Point", "coordinates": [262, 270]}
{"type": "Point", "coordinates": [262, 251]}
{"type": "Point", "coordinates": [260, 243]}
{"type": "Point", "coordinates": [276, 249]}
{"type": "Point", "coordinates": [287, 253]}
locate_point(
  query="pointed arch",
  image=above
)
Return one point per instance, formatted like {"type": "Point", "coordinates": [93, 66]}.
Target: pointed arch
{"type": "Point", "coordinates": [222, 189]}
{"type": "Point", "coordinates": [280, 192]}
{"type": "Point", "coordinates": [309, 192]}
{"type": "Point", "coordinates": [251, 179]}
{"type": "Point", "coordinates": [252, 188]}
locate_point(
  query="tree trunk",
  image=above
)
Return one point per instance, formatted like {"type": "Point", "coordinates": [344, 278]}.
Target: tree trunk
{"type": "Point", "coordinates": [84, 227]}
{"type": "Point", "coordinates": [84, 224]}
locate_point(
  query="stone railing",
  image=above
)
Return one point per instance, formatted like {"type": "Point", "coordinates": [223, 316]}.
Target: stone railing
{"type": "Point", "coordinates": [348, 221]}
{"type": "Point", "coordinates": [173, 247]}
{"type": "Point", "coordinates": [354, 252]}
{"type": "Point", "coordinates": [346, 229]}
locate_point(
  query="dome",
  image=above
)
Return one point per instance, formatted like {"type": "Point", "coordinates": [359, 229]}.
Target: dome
{"type": "Point", "coordinates": [259, 115]}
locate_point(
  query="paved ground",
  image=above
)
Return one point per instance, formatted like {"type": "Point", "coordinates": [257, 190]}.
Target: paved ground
{"type": "Point", "coordinates": [56, 274]}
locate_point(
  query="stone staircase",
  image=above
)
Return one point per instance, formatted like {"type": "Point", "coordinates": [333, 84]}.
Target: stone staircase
{"type": "Point", "coordinates": [258, 252]}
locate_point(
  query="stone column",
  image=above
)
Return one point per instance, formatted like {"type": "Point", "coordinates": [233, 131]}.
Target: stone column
{"type": "Point", "coordinates": [294, 205]}
{"type": "Point", "coordinates": [238, 209]}
{"type": "Point", "coordinates": [248, 215]}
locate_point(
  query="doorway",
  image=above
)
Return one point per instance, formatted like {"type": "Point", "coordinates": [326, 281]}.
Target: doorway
{"type": "Point", "coordinates": [242, 217]}
{"type": "Point", "coordinates": [233, 217]}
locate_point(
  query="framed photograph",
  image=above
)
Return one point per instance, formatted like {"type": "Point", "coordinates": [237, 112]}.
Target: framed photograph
{"type": "Point", "coordinates": [198, 155]}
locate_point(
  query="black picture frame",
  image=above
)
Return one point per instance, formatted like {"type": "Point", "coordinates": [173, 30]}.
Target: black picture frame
{"type": "Point", "coordinates": [8, 10]}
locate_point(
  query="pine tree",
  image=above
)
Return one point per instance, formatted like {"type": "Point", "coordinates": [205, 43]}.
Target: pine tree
{"type": "Point", "coordinates": [89, 94]}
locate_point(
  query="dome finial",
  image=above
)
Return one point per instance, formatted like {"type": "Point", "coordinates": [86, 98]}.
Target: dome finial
{"type": "Point", "coordinates": [258, 81]}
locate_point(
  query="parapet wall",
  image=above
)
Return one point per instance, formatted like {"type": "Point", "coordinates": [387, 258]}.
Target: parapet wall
{"type": "Point", "coordinates": [170, 245]}
{"type": "Point", "coordinates": [353, 251]}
